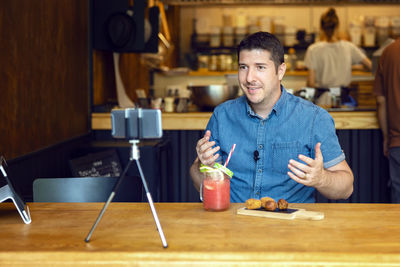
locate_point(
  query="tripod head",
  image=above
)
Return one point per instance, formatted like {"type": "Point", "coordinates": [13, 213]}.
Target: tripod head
{"type": "Point", "coordinates": [135, 153]}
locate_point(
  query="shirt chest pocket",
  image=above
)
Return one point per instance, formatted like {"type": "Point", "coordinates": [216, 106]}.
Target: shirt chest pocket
{"type": "Point", "coordinates": [282, 153]}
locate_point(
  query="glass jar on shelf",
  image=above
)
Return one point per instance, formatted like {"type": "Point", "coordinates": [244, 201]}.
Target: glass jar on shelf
{"type": "Point", "coordinates": [215, 37]}
{"type": "Point", "coordinates": [221, 65]}
{"type": "Point", "coordinates": [227, 36]}
{"type": "Point", "coordinates": [240, 33]}
{"type": "Point", "coordinates": [213, 63]}
{"type": "Point", "coordinates": [203, 62]}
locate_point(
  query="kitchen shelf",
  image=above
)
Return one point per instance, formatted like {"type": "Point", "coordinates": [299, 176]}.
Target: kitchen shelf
{"type": "Point", "coordinates": [200, 44]}
{"type": "Point", "coordinates": [275, 2]}
{"type": "Point", "coordinates": [287, 73]}
{"type": "Point", "coordinates": [234, 72]}
{"type": "Point", "coordinates": [211, 73]}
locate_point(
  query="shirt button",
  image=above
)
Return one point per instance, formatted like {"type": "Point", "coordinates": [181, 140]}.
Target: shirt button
{"type": "Point", "coordinates": [259, 170]}
{"type": "Point", "coordinates": [260, 146]}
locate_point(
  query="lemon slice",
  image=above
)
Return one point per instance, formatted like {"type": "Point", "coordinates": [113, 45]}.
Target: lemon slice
{"type": "Point", "coordinates": [205, 168]}
{"type": "Point", "coordinates": [217, 167]}
{"type": "Point", "coordinates": [224, 169]}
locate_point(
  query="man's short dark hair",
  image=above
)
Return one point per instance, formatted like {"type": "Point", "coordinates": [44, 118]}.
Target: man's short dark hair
{"type": "Point", "coordinates": [264, 41]}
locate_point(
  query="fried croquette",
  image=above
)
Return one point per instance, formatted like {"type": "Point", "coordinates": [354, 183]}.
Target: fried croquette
{"type": "Point", "coordinates": [253, 204]}
{"type": "Point", "coordinates": [265, 199]}
{"type": "Point", "coordinates": [267, 203]}
{"type": "Point", "coordinates": [282, 204]}
{"type": "Point", "coordinates": [270, 205]}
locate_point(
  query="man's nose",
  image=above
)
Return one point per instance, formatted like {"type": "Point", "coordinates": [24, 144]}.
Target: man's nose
{"type": "Point", "coordinates": [250, 75]}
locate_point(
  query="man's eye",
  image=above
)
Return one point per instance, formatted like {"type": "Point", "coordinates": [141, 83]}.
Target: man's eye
{"type": "Point", "coordinates": [242, 67]}
{"type": "Point", "coordinates": [261, 67]}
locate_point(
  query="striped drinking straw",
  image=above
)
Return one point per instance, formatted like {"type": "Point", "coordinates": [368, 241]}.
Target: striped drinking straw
{"type": "Point", "coordinates": [230, 155]}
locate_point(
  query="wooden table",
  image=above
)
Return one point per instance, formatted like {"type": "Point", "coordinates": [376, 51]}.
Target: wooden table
{"type": "Point", "coordinates": [350, 235]}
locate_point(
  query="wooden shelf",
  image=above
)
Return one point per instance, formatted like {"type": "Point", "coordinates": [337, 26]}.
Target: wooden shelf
{"type": "Point", "coordinates": [287, 73]}
{"type": "Point", "coordinates": [276, 2]}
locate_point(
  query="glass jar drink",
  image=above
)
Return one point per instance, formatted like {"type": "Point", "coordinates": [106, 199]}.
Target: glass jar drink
{"type": "Point", "coordinates": [215, 189]}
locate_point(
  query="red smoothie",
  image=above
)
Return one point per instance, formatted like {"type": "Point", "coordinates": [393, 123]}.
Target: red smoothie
{"type": "Point", "coordinates": [216, 194]}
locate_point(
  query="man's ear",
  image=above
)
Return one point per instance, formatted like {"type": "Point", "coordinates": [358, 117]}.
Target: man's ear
{"type": "Point", "coordinates": [281, 71]}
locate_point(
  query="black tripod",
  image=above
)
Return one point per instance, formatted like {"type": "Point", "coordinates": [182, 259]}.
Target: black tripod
{"type": "Point", "coordinates": [134, 157]}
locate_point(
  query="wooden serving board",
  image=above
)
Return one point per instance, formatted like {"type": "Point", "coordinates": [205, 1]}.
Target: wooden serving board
{"type": "Point", "coordinates": [289, 214]}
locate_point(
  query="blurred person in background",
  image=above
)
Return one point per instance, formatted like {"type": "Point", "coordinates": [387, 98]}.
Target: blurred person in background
{"type": "Point", "coordinates": [330, 60]}
{"type": "Point", "coordinates": [387, 91]}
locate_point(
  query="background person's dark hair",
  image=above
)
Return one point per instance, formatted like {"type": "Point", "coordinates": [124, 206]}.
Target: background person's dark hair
{"type": "Point", "coordinates": [329, 22]}
{"type": "Point", "coordinates": [264, 41]}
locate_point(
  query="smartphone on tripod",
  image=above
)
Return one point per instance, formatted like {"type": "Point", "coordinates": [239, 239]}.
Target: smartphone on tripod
{"type": "Point", "coordinates": [138, 123]}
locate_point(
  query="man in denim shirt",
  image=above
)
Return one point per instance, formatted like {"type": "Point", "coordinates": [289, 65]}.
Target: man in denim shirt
{"type": "Point", "coordinates": [286, 147]}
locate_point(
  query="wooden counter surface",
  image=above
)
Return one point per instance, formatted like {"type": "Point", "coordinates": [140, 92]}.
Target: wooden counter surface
{"type": "Point", "coordinates": [198, 120]}
{"type": "Point", "coordinates": [350, 235]}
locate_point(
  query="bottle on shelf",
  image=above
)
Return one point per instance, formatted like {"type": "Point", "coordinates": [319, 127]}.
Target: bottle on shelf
{"type": "Point", "coordinates": [292, 58]}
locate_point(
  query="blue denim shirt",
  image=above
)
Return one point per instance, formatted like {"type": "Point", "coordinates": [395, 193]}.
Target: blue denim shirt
{"type": "Point", "coordinates": [293, 127]}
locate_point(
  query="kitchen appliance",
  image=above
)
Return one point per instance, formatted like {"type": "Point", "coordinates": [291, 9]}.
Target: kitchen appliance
{"type": "Point", "coordinates": [119, 26]}
{"type": "Point", "coordinates": [207, 97]}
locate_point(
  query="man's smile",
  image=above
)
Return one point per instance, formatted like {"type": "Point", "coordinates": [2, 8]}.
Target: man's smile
{"type": "Point", "coordinates": [252, 89]}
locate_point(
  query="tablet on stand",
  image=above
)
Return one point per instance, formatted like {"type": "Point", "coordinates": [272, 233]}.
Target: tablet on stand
{"type": "Point", "coordinates": [7, 191]}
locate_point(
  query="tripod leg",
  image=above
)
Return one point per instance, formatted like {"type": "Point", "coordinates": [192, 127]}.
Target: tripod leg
{"type": "Point", "coordinates": [153, 209]}
{"type": "Point", "coordinates": [110, 198]}
{"type": "Point", "coordinates": [87, 239]}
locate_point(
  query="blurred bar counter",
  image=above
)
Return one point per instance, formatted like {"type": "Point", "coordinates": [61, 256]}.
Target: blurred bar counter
{"type": "Point", "coordinates": [345, 119]}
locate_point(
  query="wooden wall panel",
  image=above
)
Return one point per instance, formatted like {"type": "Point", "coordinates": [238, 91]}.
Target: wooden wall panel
{"type": "Point", "coordinates": [103, 78]}
{"type": "Point", "coordinates": [133, 73]}
{"type": "Point", "coordinates": [173, 19]}
{"type": "Point", "coordinates": [44, 73]}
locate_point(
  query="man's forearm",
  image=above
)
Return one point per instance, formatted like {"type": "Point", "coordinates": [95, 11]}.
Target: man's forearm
{"type": "Point", "coordinates": [197, 176]}
{"type": "Point", "coordinates": [337, 184]}
{"type": "Point", "coordinates": [311, 78]}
